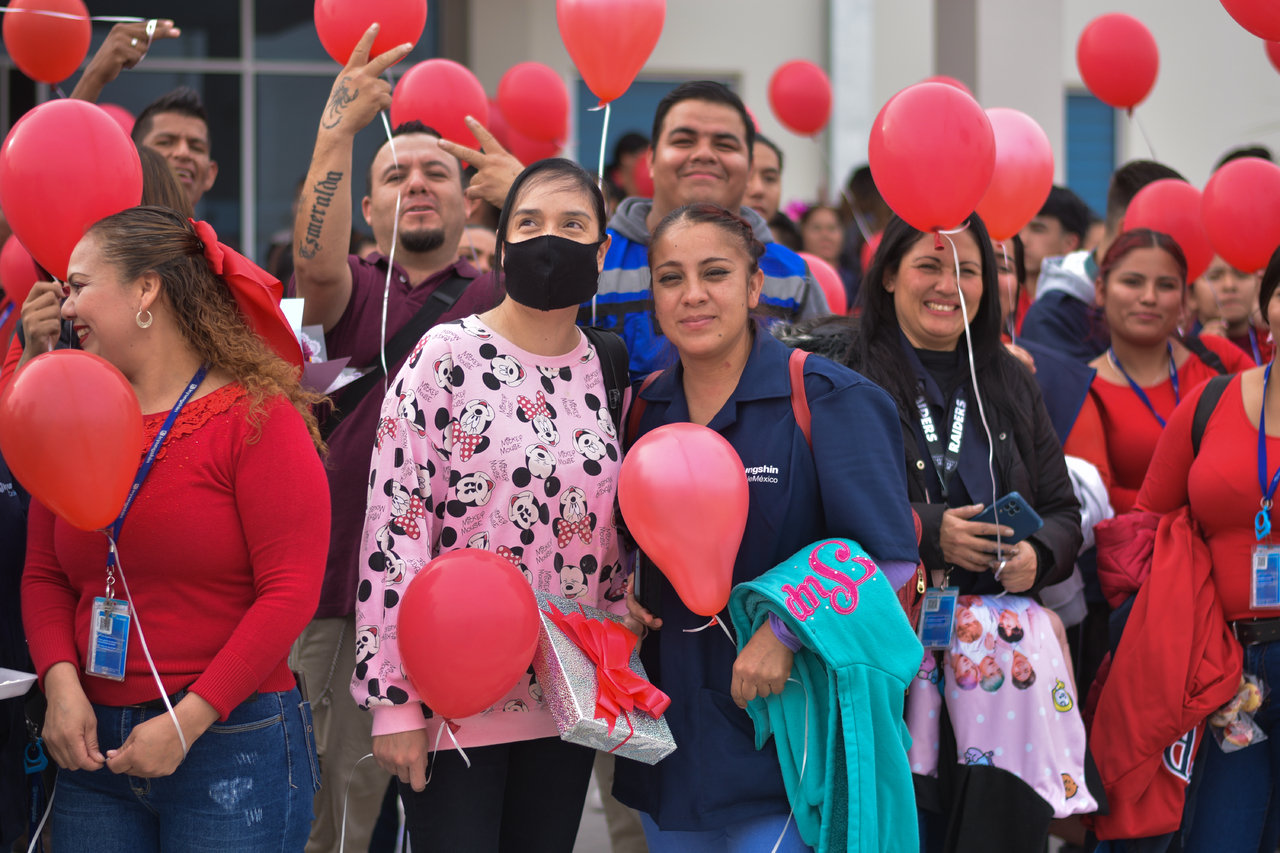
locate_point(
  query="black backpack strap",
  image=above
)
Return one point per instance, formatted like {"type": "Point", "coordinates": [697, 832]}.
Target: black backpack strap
{"type": "Point", "coordinates": [1208, 401]}
{"type": "Point", "coordinates": [440, 301]}
{"type": "Point", "coordinates": [615, 366]}
{"type": "Point", "coordinates": [1208, 356]}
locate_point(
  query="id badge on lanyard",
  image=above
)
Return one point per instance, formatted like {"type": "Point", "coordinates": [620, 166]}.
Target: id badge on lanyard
{"type": "Point", "coordinates": [108, 638]}
{"type": "Point", "coordinates": [1264, 575]}
{"type": "Point", "coordinates": [938, 617]}
{"type": "Point", "coordinates": [109, 620]}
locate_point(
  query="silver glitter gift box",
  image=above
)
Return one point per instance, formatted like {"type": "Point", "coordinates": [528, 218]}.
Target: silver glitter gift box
{"type": "Point", "coordinates": [568, 680]}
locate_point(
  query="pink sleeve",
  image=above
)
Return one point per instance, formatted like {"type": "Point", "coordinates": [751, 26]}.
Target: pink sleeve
{"type": "Point", "coordinates": [408, 480]}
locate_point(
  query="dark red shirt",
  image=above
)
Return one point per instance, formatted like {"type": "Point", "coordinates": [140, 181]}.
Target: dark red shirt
{"type": "Point", "coordinates": [223, 550]}
{"type": "Point", "coordinates": [351, 444]}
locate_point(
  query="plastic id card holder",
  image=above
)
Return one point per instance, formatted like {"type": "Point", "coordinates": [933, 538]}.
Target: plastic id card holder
{"type": "Point", "coordinates": [938, 617]}
{"type": "Point", "coordinates": [1264, 586]}
{"type": "Point", "coordinates": [108, 638]}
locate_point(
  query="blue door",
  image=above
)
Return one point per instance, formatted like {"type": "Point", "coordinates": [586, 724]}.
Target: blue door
{"type": "Point", "coordinates": [1091, 149]}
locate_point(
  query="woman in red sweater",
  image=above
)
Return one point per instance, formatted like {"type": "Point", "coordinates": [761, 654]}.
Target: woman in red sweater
{"type": "Point", "coordinates": [1142, 290]}
{"type": "Point", "coordinates": [1236, 807]}
{"type": "Point", "coordinates": [221, 555]}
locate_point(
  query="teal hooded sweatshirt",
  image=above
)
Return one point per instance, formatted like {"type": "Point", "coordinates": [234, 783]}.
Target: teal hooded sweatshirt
{"type": "Point", "coordinates": [859, 656]}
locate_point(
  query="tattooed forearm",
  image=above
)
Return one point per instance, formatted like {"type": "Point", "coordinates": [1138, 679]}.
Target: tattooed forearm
{"type": "Point", "coordinates": [338, 102]}
{"type": "Point", "coordinates": [322, 191]}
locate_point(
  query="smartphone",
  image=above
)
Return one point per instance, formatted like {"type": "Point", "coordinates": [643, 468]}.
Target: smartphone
{"type": "Point", "coordinates": [649, 583]}
{"type": "Point", "coordinates": [1013, 511]}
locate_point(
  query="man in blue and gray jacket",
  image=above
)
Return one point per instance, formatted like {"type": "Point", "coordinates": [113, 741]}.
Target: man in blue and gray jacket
{"type": "Point", "coordinates": [703, 139]}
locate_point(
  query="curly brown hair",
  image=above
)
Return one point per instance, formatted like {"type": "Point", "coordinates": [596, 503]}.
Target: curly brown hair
{"type": "Point", "coordinates": [159, 240]}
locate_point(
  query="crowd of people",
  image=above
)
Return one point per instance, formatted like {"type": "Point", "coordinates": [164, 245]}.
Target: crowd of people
{"type": "Point", "coordinates": [1072, 372]}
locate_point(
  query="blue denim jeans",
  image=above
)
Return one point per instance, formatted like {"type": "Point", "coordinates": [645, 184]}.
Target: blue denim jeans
{"type": "Point", "coordinates": [1237, 808]}
{"type": "Point", "coordinates": [754, 835]}
{"type": "Point", "coordinates": [246, 786]}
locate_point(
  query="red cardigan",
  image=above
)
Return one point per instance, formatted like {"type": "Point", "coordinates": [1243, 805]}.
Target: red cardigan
{"type": "Point", "coordinates": [224, 550]}
{"type": "Point", "coordinates": [1118, 434]}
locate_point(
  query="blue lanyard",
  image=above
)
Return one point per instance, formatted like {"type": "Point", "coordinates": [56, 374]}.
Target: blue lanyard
{"type": "Point", "coordinates": [5, 315]}
{"type": "Point", "coordinates": [1253, 342]}
{"type": "Point", "coordinates": [1262, 521]}
{"type": "Point", "coordinates": [1137, 389]}
{"type": "Point", "coordinates": [145, 468]}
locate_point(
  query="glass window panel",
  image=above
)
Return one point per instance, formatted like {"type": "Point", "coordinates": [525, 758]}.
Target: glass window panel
{"type": "Point", "coordinates": [208, 29]}
{"type": "Point", "coordinates": [288, 116]}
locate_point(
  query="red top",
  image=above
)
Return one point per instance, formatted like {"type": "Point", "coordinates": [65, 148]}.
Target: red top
{"type": "Point", "coordinates": [1117, 433]}
{"type": "Point", "coordinates": [223, 549]}
{"type": "Point", "coordinates": [1019, 313]}
{"type": "Point", "coordinates": [1221, 486]}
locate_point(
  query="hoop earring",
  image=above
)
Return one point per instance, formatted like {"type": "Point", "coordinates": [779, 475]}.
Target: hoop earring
{"type": "Point", "coordinates": [144, 324]}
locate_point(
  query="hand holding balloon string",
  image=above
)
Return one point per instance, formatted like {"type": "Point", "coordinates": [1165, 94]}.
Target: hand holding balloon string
{"type": "Point", "coordinates": [125, 46]}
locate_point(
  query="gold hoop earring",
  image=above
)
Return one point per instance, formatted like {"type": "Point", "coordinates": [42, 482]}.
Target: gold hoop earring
{"type": "Point", "coordinates": [144, 324]}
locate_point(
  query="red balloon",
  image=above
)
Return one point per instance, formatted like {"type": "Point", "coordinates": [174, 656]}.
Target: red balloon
{"type": "Point", "coordinates": [65, 165]}
{"type": "Point", "coordinates": [71, 429]}
{"type": "Point", "coordinates": [932, 155]}
{"type": "Point", "coordinates": [830, 282]}
{"type": "Point", "coordinates": [122, 117]}
{"type": "Point", "coordinates": [1023, 176]}
{"type": "Point", "coordinates": [18, 273]}
{"type": "Point", "coordinates": [1273, 53]}
{"type": "Point", "coordinates": [950, 81]}
{"type": "Point", "coordinates": [1240, 208]}
{"type": "Point", "coordinates": [535, 101]}
{"type": "Point", "coordinates": [521, 147]}
{"type": "Point", "coordinates": [800, 95]}
{"type": "Point", "coordinates": [341, 24]}
{"type": "Point", "coordinates": [1260, 17]}
{"type": "Point", "coordinates": [1118, 59]}
{"type": "Point", "coordinates": [693, 540]}
{"type": "Point", "coordinates": [609, 41]}
{"type": "Point", "coordinates": [640, 176]}
{"type": "Point", "coordinates": [464, 651]}
{"type": "Point", "coordinates": [47, 48]}
{"type": "Point", "coordinates": [1173, 207]}
{"type": "Point", "coordinates": [440, 93]}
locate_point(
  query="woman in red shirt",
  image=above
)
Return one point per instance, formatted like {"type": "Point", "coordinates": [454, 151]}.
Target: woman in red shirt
{"type": "Point", "coordinates": [221, 556]}
{"type": "Point", "coordinates": [1142, 290]}
{"type": "Point", "coordinates": [1236, 808]}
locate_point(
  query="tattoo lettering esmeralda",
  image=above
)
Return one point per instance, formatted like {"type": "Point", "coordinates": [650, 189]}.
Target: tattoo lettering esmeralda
{"type": "Point", "coordinates": [323, 192]}
{"type": "Point", "coordinates": [338, 102]}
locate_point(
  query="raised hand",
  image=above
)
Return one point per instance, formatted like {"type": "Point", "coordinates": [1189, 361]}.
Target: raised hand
{"type": "Point", "coordinates": [124, 47]}
{"type": "Point", "coordinates": [497, 167]}
{"type": "Point", "coordinates": [359, 94]}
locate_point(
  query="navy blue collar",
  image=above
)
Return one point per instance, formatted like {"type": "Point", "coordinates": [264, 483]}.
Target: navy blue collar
{"type": "Point", "coordinates": [766, 376]}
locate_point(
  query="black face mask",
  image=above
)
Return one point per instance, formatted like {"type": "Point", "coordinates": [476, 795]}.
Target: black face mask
{"type": "Point", "coordinates": [549, 272]}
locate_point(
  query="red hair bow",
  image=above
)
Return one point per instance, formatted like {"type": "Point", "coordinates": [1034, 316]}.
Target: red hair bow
{"type": "Point", "coordinates": [257, 293]}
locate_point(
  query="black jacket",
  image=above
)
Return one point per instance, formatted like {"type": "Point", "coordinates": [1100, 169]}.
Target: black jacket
{"type": "Point", "coordinates": [1029, 461]}
{"type": "Point", "coordinates": [1028, 458]}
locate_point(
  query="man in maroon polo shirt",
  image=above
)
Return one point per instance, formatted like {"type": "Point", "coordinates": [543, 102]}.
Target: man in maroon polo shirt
{"type": "Point", "coordinates": [344, 294]}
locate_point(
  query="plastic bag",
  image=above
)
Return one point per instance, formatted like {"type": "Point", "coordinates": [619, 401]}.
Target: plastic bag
{"type": "Point", "coordinates": [1233, 724]}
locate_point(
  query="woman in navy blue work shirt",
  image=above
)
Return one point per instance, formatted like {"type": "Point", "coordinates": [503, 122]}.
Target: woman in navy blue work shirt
{"type": "Point", "coordinates": [717, 792]}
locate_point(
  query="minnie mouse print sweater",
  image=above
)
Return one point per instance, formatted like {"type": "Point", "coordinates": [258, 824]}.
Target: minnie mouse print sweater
{"type": "Point", "coordinates": [483, 445]}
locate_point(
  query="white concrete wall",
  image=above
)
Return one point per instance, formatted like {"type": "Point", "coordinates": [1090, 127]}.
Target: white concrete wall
{"type": "Point", "coordinates": [1216, 90]}
{"type": "Point", "coordinates": [743, 39]}
{"type": "Point", "coordinates": [1020, 72]}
